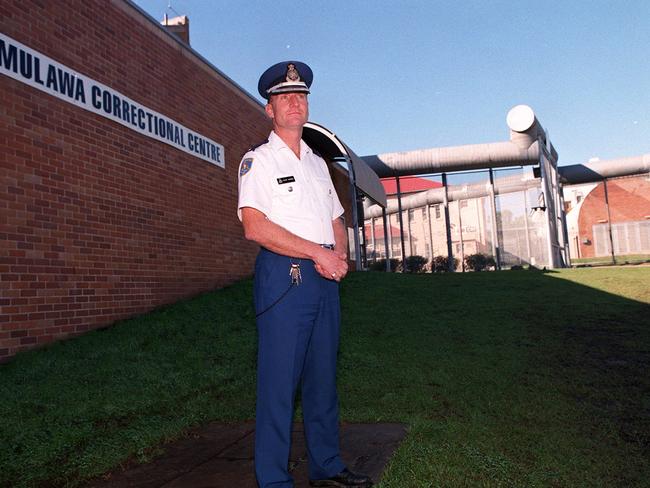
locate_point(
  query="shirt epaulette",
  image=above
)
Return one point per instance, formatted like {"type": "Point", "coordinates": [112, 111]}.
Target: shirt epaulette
{"type": "Point", "coordinates": [255, 146]}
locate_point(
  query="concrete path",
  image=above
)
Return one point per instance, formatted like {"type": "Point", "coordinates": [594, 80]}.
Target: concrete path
{"type": "Point", "coordinates": [221, 456]}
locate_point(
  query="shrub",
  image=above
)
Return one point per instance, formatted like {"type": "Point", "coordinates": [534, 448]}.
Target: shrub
{"type": "Point", "coordinates": [479, 262]}
{"type": "Point", "coordinates": [440, 264]}
{"type": "Point", "coordinates": [415, 264]}
{"type": "Point", "coordinates": [380, 265]}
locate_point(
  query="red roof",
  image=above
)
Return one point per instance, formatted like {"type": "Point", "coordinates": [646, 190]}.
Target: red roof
{"type": "Point", "coordinates": [408, 184]}
{"type": "Point", "coordinates": [379, 231]}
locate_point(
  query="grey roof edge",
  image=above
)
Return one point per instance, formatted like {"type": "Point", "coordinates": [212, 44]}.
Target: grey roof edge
{"type": "Point", "coordinates": [193, 52]}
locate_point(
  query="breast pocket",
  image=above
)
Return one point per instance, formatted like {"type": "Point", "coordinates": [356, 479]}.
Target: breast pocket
{"type": "Point", "coordinates": [287, 195]}
{"type": "Point", "coordinates": [326, 193]}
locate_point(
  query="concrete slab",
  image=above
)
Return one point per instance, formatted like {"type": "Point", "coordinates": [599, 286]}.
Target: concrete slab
{"type": "Point", "coordinates": [221, 455]}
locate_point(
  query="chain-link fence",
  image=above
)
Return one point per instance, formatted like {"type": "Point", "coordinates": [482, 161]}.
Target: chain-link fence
{"type": "Point", "coordinates": [499, 216]}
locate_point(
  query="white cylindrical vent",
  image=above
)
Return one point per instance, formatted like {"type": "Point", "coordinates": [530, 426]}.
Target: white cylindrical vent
{"type": "Point", "coordinates": [520, 118]}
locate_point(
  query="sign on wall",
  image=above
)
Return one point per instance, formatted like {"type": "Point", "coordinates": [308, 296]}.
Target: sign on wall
{"type": "Point", "coordinates": [43, 73]}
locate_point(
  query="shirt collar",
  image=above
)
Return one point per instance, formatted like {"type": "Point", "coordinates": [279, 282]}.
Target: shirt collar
{"type": "Point", "coordinates": [277, 143]}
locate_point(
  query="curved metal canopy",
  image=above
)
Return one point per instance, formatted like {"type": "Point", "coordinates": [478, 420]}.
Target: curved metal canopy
{"type": "Point", "coordinates": [330, 146]}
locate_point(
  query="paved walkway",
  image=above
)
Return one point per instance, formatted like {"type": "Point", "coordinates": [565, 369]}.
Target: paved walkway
{"type": "Point", "coordinates": [221, 455]}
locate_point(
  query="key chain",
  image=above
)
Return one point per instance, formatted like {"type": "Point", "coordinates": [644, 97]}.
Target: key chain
{"type": "Point", "coordinates": [294, 272]}
{"type": "Point", "coordinates": [296, 279]}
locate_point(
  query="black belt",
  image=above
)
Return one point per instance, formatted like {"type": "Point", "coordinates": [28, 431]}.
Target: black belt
{"type": "Point", "coordinates": [327, 246]}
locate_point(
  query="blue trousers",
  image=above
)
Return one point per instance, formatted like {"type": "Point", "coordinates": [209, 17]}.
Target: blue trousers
{"type": "Point", "coordinates": [297, 347]}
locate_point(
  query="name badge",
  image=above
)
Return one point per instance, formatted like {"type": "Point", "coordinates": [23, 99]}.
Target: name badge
{"type": "Point", "coordinates": [286, 179]}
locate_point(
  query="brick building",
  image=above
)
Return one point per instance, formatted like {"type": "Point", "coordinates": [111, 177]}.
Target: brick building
{"type": "Point", "coordinates": [118, 180]}
{"type": "Point", "coordinates": [628, 214]}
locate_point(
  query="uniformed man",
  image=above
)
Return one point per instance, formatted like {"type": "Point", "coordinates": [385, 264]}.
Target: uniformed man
{"type": "Point", "coordinates": [288, 205]}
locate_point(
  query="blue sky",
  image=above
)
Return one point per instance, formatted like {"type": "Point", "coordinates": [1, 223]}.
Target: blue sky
{"type": "Point", "coordinates": [400, 75]}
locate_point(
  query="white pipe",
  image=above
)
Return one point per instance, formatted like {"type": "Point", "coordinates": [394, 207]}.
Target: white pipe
{"type": "Point", "coordinates": [454, 158]}
{"type": "Point", "coordinates": [599, 170]}
{"type": "Point", "coordinates": [522, 149]}
{"type": "Point", "coordinates": [456, 192]}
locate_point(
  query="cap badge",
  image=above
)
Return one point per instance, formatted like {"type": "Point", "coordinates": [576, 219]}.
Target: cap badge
{"type": "Point", "coordinates": [292, 73]}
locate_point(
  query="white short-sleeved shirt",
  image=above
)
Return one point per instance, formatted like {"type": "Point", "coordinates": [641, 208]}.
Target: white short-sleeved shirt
{"type": "Point", "coordinates": [296, 194]}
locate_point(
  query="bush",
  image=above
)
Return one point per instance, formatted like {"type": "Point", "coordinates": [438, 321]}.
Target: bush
{"type": "Point", "coordinates": [479, 262]}
{"type": "Point", "coordinates": [440, 264]}
{"type": "Point", "coordinates": [415, 264]}
{"type": "Point", "coordinates": [380, 265]}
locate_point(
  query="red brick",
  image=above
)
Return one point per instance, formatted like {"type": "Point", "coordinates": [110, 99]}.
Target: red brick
{"type": "Point", "coordinates": [111, 223]}
{"type": "Point", "coordinates": [628, 201]}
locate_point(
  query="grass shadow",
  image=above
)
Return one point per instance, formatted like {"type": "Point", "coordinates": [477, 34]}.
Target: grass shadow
{"type": "Point", "coordinates": [506, 379]}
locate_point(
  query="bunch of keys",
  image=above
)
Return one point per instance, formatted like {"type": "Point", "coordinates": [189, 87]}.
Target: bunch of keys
{"type": "Point", "coordinates": [294, 272]}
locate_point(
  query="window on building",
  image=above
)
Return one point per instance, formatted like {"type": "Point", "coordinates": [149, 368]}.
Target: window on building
{"type": "Point", "coordinates": [437, 209]}
{"type": "Point", "coordinates": [463, 203]}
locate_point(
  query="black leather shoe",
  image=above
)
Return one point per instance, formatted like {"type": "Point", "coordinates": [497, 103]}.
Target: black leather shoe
{"type": "Point", "coordinates": [344, 479]}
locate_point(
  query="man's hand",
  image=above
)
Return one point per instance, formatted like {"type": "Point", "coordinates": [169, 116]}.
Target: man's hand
{"type": "Point", "coordinates": [331, 265]}
{"type": "Point", "coordinates": [340, 248]}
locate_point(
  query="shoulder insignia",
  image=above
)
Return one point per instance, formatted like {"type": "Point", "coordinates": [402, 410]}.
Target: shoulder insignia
{"type": "Point", "coordinates": [246, 166]}
{"type": "Point", "coordinates": [255, 146]}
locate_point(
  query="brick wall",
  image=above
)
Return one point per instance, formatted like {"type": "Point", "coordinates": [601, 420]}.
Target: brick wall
{"type": "Point", "coordinates": [629, 200]}
{"type": "Point", "coordinates": [98, 222]}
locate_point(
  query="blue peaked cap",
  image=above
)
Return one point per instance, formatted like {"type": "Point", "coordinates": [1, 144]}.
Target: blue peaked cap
{"type": "Point", "coordinates": [285, 77]}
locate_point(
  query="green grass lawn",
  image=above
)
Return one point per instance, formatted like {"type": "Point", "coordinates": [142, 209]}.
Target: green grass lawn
{"type": "Point", "coordinates": [513, 378]}
{"type": "Point", "coordinates": [619, 259]}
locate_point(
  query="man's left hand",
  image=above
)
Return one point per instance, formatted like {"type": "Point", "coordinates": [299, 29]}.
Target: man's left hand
{"type": "Point", "coordinates": [340, 272]}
